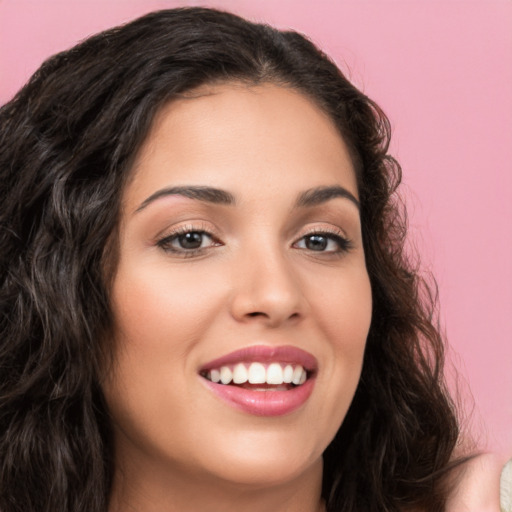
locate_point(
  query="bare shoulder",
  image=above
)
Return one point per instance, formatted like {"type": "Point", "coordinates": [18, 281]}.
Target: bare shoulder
{"type": "Point", "coordinates": [478, 485]}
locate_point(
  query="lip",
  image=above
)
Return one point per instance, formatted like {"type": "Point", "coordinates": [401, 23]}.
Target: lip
{"type": "Point", "coordinates": [266, 354]}
{"type": "Point", "coordinates": [264, 403]}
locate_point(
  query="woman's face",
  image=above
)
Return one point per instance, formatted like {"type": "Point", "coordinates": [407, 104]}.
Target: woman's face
{"type": "Point", "coordinates": [240, 258]}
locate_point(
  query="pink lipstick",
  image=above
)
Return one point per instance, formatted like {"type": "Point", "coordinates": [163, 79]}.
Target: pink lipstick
{"type": "Point", "coordinates": [262, 380]}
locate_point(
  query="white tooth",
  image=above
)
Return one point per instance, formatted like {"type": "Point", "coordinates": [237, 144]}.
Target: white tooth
{"type": "Point", "coordinates": [297, 374]}
{"type": "Point", "coordinates": [303, 377]}
{"type": "Point", "coordinates": [239, 374]}
{"type": "Point", "coordinates": [257, 373]}
{"type": "Point", "coordinates": [287, 374]}
{"type": "Point", "coordinates": [226, 375]}
{"type": "Point", "coordinates": [215, 375]}
{"type": "Point", "coordinates": [274, 374]}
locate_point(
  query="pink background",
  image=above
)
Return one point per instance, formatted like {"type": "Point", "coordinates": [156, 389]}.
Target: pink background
{"type": "Point", "coordinates": [442, 71]}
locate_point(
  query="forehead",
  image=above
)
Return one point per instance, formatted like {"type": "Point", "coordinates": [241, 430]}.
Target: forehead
{"type": "Point", "coordinates": [232, 135]}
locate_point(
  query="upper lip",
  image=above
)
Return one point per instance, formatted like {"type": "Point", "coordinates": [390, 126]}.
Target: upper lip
{"type": "Point", "coordinates": [265, 354]}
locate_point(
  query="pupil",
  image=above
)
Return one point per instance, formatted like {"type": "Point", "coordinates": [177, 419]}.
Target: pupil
{"type": "Point", "coordinates": [192, 240]}
{"type": "Point", "coordinates": [316, 242]}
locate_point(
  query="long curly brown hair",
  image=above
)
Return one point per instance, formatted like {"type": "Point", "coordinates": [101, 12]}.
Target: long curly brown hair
{"type": "Point", "coordinates": [67, 143]}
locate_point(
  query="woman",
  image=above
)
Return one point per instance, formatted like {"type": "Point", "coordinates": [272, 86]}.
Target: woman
{"type": "Point", "coordinates": [205, 297]}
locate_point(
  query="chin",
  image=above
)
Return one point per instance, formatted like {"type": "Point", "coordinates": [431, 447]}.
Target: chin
{"type": "Point", "coordinates": [264, 472]}
{"type": "Point", "coordinates": [264, 458]}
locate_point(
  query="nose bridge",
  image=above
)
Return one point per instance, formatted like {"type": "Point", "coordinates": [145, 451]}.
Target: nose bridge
{"type": "Point", "coordinates": [266, 286]}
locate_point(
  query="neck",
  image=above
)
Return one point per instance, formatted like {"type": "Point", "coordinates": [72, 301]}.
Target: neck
{"type": "Point", "coordinates": [153, 490]}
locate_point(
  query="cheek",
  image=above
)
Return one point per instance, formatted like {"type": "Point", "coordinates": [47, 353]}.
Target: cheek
{"type": "Point", "coordinates": [163, 307]}
{"type": "Point", "coordinates": [348, 321]}
{"type": "Point", "coordinates": [343, 311]}
{"type": "Point", "coordinates": [343, 308]}
{"type": "Point", "coordinates": [160, 317]}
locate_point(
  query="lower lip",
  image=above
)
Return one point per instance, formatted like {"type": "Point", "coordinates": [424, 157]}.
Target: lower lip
{"type": "Point", "coordinates": [263, 403]}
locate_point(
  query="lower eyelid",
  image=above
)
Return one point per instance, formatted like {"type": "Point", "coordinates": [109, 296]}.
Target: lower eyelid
{"type": "Point", "coordinates": [330, 238]}
{"type": "Point", "coordinates": [166, 242]}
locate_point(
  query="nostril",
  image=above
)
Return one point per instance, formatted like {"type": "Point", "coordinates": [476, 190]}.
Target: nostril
{"type": "Point", "coordinates": [257, 313]}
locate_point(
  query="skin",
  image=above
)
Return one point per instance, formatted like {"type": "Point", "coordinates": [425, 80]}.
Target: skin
{"type": "Point", "coordinates": [477, 486]}
{"type": "Point", "coordinates": [254, 282]}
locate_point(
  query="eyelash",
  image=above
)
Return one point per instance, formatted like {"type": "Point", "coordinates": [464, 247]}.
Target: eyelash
{"type": "Point", "coordinates": [165, 243]}
{"type": "Point", "coordinates": [343, 243]}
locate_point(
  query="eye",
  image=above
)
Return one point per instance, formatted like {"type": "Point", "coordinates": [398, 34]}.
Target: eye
{"type": "Point", "coordinates": [187, 241]}
{"type": "Point", "coordinates": [191, 240]}
{"type": "Point", "coordinates": [324, 242]}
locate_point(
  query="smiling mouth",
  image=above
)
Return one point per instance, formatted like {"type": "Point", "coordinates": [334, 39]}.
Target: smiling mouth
{"type": "Point", "coordinates": [262, 380]}
{"type": "Point", "coordinates": [257, 376]}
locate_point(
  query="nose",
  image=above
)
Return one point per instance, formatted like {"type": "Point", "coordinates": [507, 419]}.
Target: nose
{"type": "Point", "coordinates": [267, 290]}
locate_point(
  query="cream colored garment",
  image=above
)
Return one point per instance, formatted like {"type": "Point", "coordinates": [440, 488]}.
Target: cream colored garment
{"type": "Point", "coordinates": [506, 488]}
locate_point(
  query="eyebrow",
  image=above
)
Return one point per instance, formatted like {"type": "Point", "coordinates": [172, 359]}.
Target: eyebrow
{"type": "Point", "coordinates": [208, 194]}
{"type": "Point", "coordinates": [309, 198]}
{"type": "Point", "coordinates": [319, 195]}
